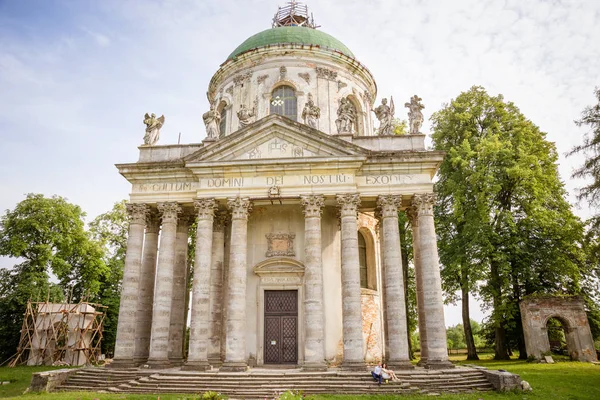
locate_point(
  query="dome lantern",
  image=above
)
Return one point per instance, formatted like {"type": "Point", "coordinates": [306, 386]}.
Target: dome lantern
{"type": "Point", "coordinates": [293, 14]}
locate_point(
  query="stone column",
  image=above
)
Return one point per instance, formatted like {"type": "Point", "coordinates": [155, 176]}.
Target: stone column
{"type": "Point", "coordinates": [411, 213]}
{"type": "Point", "coordinates": [433, 306]}
{"type": "Point", "coordinates": [235, 325]}
{"type": "Point", "coordinates": [351, 305]}
{"type": "Point", "coordinates": [314, 351]}
{"type": "Point", "coordinates": [146, 293]}
{"type": "Point", "coordinates": [126, 327]}
{"type": "Point", "coordinates": [198, 354]}
{"type": "Point", "coordinates": [178, 308]}
{"type": "Point", "coordinates": [397, 356]}
{"type": "Point", "coordinates": [161, 312]}
{"type": "Point", "coordinates": [216, 290]}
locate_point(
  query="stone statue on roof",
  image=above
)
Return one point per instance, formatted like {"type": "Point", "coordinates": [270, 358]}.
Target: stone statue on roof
{"type": "Point", "coordinates": [415, 116]}
{"type": "Point", "coordinates": [311, 113]}
{"type": "Point", "coordinates": [212, 120]}
{"type": "Point", "coordinates": [247, 116]}
{"type": "Point", "coordinates": [346, 116]}
{"type": "Point", "coordinates": [385, 115]}
{"type": "Point", "coordinates": [153, 126]}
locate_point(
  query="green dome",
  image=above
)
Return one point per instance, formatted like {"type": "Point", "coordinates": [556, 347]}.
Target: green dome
{"type": "Point", "coordinates": [291, 34]}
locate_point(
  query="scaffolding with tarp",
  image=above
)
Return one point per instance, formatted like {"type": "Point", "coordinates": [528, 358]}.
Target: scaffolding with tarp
{"type": "Point", "coordinates": [60, 334]}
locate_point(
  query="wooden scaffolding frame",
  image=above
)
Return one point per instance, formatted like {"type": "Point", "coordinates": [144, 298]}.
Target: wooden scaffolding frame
{"type": "Point", "coordinates": [54, 344]}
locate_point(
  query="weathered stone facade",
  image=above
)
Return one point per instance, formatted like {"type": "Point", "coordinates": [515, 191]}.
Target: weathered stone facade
{"type": "Point", "coordinates": [285, 206]}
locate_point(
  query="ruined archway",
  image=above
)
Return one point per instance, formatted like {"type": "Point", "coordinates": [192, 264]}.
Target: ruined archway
{"type": "Point", "coordinates": [570, 312]}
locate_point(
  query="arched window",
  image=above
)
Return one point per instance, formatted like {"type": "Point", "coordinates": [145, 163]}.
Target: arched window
{"type": "Point", "coordinates": [223, 125]}
{"type": "Point", "coordinates": [284, 102]}
{"type": "Point", "coordinates": [362, 259]}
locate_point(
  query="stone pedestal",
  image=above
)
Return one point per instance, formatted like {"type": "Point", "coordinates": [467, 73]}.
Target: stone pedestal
{"type": "Point", "coordinates": [433, 305]}
{"type": "Point", "coordinates": [397, 355]}
{"type": "Point", "coordinates": [314, 351]}
{"type": "Point", "coordinates": [178, 304]}
{"type": "Point", "coordinates": [146, 291]}
{"type": "Point", "coordinates": [161, 312]}
{"type": "Point", "coordinates": [235, 326]}
{"type": "Point", "coordinates": [351, 307]}
{"type": "Point", "coordinates": [216, 290]}
{"type": "Point", "coordinates": [126, 328]}
{"type": "Point", "coordinates": [198, 353]}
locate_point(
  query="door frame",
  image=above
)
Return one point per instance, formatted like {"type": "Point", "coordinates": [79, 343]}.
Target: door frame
{"type": "Point", "coordinates": [279, 273]}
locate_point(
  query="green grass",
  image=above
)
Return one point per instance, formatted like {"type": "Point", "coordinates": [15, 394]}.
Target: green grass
{"type": "Point", "coordinates": [561, 381]}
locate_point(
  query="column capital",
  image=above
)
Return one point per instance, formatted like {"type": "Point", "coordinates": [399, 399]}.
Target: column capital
{"type": "Point", "coordinates": [388, 205]}
{"type": "Point", "coordinates": [220, 221]}
{"type": "Point", "coordinates": [240, 207]}
{"type": "Point", "coordinates": [312, 205]}
{"type": "Point", "coordinates": [205, 208]}
{"type": "Point", "coordinates": [423, 203]}
{"type": "Point", "coordinates": [152, 222]}
{"type": "Point", "coordinates": [137, 213]}
{"type": "Point", "coordinates": [169, 211]}
{"type": "Point", "coordinates": [349, 203]}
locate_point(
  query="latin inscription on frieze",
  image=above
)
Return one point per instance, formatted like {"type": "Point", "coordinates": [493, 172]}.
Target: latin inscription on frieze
{"type": "Point", "coordinates": [164, 187]}
{"type": "Point", "coordinates": [281, 279]}
{"type": "Point", "coordinates": [387, 179]}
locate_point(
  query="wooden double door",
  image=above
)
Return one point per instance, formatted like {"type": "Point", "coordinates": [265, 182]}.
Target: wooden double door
{"type": "Point", "coordinates": [281, 327]}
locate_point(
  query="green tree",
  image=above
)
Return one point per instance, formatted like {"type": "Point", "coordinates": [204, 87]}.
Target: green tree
{"type": "Point", "coordinates": [110, 230]}
{"type": "Point", "coordinates": [400, 126]}
{"type": "Point", "coordinates": [48, 238]}
{"type": "Point", "coordinates": [410, 290]}
{"type": "Point", "coordinates": [502, 217]}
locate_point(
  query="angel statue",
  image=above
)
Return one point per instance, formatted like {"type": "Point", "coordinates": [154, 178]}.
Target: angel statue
{"type": "Point", "coordinates": [385, 114]}
{"type": "Point", "coordinates": [415, 116]}
{"type": "Point", "coordinates": [212, 120]}
{"type": "Point", "coordinates": [153, 126]}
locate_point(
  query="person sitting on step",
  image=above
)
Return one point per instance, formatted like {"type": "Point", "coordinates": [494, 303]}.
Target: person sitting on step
{"type": "Point", "coordinates": [376, 373]}
{"type": "Point", "coordinates": [388, 374]}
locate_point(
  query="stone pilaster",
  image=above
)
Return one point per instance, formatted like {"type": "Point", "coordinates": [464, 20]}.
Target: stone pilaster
{"type": "Point", "coordinates": [397, 355]}
{"type": "Point", "coordinates": [216, 290]}
{"type": "Point", "coordinates": [178, 304]}
{"type": "Point", "coordinates": [351, 306]}
{"type": "Point", "coordinates": [126, 327]}
{"type": "Point", "coordinates": [235, 326]}
{"type": "Point", "coordinates": [437, 347]}
{"type": "Point", "coordinates": [314, 351]}
{"type": "Point", "coordinates": [198, 353]}
{"type": "Point", "coordinates": [146, 292]}
{"type": "Point", "coordinates": [163, 297]}
{"type": "Point", "coordinates": [411, 213]}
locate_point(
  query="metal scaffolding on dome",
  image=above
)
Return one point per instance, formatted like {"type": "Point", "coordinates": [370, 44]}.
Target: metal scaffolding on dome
{"type": "Point", "coordinates": [294, 14]}
{"type": "Point", "coordinates": [60, 334]}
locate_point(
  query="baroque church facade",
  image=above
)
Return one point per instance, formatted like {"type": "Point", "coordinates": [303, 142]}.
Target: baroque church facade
{"type": "Point", "coordinates": [294, 199]}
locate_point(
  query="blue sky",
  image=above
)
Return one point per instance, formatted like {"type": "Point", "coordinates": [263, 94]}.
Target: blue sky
{"type": "Point", "coordinates": [77, 76]}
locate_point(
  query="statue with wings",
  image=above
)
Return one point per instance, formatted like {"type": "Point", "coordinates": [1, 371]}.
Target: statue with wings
{"type": "Point", "coordinates": [415, 115]}
{"type": "Point", "coordinates": [385, 115]}
{"type": "Point", "coordinates": [153, 126]}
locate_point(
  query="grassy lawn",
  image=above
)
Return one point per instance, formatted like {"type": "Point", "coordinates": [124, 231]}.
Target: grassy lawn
{"type": "Point", "coordinates": [563, 380]}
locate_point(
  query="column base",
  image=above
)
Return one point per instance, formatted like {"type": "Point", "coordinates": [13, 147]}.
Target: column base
{"type": "Point", "coordinates": [314, 367]}
{"type": "Point", "coordinates": [432, 364]}
{"type": "Point", "coordinates": [400, 364]}
{"type": "Point", "coordinates": [159, 364]}
{"type": "Point", "coordinates": [176, 362]}
{"type": "Point", "coordinates": [232, 366]}
{"type": "Point", "coordinates": [215, 361]}
{"type": "Point", "coordinates": [122, 364]}
{"type": "Point", "coordinates": [196, 366]}
{"type": "Point", "coordinates": [353, 366]}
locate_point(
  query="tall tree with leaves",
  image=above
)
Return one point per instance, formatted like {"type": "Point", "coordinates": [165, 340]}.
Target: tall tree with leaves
{"type": "Point", "coordinates": [502, 217]}
{"type": "Point", "coordinates": [48, 238]}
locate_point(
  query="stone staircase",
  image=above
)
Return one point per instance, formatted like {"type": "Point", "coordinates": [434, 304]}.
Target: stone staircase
{"type": "Point", "coordinates": [265, 383]}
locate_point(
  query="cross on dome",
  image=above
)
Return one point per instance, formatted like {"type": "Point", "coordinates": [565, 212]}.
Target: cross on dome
{"type": "Point", "coordinates": [294, 14]}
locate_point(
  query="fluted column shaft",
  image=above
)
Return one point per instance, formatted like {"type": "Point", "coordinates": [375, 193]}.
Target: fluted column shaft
{"type": "Point", "coordinates": [146, 290]}
{"type": "Point", "coordinates": [178, 308]}
{"type": "Point", "coordinates": [437, 347]}
{"type": "Point", "coordinates": [161, 312]}
{"type": "Point", "coordinates": [351, 306]}
{"type": "Point", "coordinates": [422, 323]}
{"type": "Point", "coordinates": [125, 340]}
{"type": "Point", "coordinates": [314, 351]}
{"type": "Point", "coordinates": [216, 290]}
{"type": "Point", "coordinates": [198, 353]}
{"type": "Point", "coordinates": [235, 341]}
{"type": "Point", "coordinates": [397, 355]}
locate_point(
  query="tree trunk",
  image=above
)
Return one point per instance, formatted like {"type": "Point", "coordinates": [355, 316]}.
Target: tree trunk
{"type": "Point", "coordinates": [518, 322]}
{"type": "Point", "coordinates": [464, 287]}
{"type": "Point", "coordinates": [500, 348]}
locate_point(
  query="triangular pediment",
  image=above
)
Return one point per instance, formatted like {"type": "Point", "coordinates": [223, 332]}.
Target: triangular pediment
{"type": "Point", "coordinates": [275, 137]}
